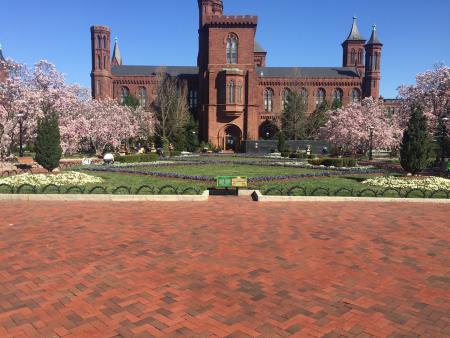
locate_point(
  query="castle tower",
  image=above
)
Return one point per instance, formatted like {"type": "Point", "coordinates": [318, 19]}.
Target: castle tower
{"type": "Point", "coordinates": [101, 79]}
{"type": "Point", "coordinates": [373, 62]}
{"type": "Point", "coordinates": [208, 9]}
{"type": "Point", "coordinates": [117, 57]}
{"type": "Point", "coordinates": [3, 72]}
{"type": "Point", "coordinates": [353, 48]}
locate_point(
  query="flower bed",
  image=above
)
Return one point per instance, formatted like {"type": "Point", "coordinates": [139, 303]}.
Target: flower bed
{"type": "Point", "coordinates": [40, 180]}
{"type": "Point", "coordinates": [426, 183]}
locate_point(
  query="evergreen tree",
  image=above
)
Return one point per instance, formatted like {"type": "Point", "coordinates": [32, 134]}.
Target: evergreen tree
{"type": "Point", "coordinates": [191, 135]}
{"type": "Point", "coordinates": [282, 145]}
{"type": "Point", "coordinates": [336, 104]}
{"type": "Point", "coordinates": [415, 147]}
{"type": "Point", "coordinates": [48, 142]}
{"type": "Point", "coordinates": [131, 101]}
{"type": "Point", "coordinates": [317, 120]}
{"type": "Point", "coordinates": [293, 116]}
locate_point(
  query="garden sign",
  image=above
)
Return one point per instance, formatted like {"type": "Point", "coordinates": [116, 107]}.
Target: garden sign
{"type": "Point", "coordinates": [232, 182]}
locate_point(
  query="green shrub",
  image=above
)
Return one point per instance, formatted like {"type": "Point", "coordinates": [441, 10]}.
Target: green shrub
{"type": "Point", "coordinates": [48, 142]}
{"type": "Point", "coordinates": [137, 158]}
{"type": "Point", "coordinates": [298, 155]}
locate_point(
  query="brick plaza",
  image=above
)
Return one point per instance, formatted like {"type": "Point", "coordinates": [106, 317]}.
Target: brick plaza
{"type": "Point", "coordinates": [226, 267]}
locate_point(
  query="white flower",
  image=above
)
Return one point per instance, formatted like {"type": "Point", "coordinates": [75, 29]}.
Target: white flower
{"type": "Point", "coordinates": [426, 183]}
{"type": "Point", "coordinates": [40, 180]}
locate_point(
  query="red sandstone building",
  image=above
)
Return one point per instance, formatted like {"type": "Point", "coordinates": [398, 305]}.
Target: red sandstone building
{"type": "Point", "coordinates": [231, 90]}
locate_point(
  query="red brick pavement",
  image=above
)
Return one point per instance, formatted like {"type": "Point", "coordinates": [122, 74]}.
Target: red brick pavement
{"type": "Point", "coordinates": [227, 267]}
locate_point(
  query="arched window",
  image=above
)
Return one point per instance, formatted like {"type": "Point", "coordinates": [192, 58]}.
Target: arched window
{"type": "Point", "coordinates": [338, 94]}
{"type": "Point", "coordinates": [104, 42]}
{"type": "Point", "coordinates": [320, 96]}
{"type": "Point", "coordinates": [104, 63]}
{"type": "Point", "coordinates": [124, 92]}
{"type": "Point", "coordinates": [232, 49]}
{"type": "Point", "coordinates": [352, 57]}
{"type": "Point", "coordinates": [360, 57]}
{"type": "Point", "coordinates": [231, 95]}
{"type": "Point", "coordinates": [369, 62]}
{"type": "Point", "coordinates": [99, 41]}
{"type": "Point", "coordinates": [304, 94]}
{"type": "Point", "coordinates": [355, 95]}
{"type": "Point", "coordinates": [285, 98]}
{"type": "Point", "coordinates": [239, 92]}
{"type": "Point", "coordinates": [268, 100]}
{"type": "Point", "coordinates": [193, 99]}
{"type": "Point", "coordinates": [142, 96]}
{"type": "Point", "coordinates": [99, 62]}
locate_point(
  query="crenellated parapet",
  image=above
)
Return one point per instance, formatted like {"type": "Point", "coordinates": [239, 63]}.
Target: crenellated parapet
{"type": "Point", "coordinates": [232, 21]}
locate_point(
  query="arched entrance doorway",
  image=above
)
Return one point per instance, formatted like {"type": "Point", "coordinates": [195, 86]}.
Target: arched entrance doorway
{"type": "Point", "coordinates": [230, 137]}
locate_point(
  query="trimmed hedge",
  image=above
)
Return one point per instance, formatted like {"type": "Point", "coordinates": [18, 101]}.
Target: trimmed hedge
{"type": "Point", "coordinates": [334, 162]}
{"type": "Point", "coordinates": [137, 158]}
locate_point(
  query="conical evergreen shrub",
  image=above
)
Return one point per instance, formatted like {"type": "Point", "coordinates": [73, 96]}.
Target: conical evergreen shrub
{"type": "Point", "coordinates": [415, 148]}
{"type": "Point", "coordinates": [48, 142]}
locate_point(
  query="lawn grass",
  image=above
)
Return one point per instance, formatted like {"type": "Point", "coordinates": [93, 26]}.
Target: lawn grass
{"type": "Point", "coordinates": [229, 169]}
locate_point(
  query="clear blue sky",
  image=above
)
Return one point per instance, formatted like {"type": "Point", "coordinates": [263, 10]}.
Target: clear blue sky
{"type": "Point", "coordinates": [416, 33]}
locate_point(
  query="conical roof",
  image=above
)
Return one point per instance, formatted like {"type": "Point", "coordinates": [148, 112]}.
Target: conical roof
{"type": "Point", "coordinates": [1, 54]}
{"type": "Point", "coordinates": [354, 33]}
{"type": "Point", "coordinates": [374, 37]}
{"type": "Point", "coordinates": [116, 53]}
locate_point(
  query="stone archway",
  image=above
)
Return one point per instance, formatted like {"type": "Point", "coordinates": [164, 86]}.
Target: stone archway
{"type": "Point", "coordinates": [230, 137]}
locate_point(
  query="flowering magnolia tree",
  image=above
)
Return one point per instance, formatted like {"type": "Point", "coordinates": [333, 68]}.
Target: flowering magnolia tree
{"type": "Point", "coordinates": [349, 128]}
{"type": "Point", "coordinates": [32, 93]}
{"type": "Point", "coordinates": [431, 91]}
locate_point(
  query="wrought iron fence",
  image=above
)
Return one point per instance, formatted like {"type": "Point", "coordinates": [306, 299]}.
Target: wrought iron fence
{"type": "Point", "coordinates": [121, 190]}
{"type": "Point", "coordinates": [299, 190]}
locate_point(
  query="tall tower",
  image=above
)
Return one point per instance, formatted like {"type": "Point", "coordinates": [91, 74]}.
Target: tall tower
{"type": "Point", "coordinates": [101, 79]}
{"type": "Point", "coordinates": [3, 72]}
{"type": "Point", "coordinates": [373, 62]}
{"type": "Point", "coordinates": [209, 8]}
{"type": "Point", "coordinates": [353, 48]}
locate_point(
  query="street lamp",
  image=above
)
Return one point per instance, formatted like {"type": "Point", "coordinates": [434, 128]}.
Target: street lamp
{"type": "Point", "coordinates": [371, 128]}
{"type": "Point", "coordinates": [20, 116]}
{"type": "Point", "coordinates": [267, 135]}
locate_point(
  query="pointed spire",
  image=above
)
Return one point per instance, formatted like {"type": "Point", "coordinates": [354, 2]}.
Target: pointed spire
{"type": "Point", "coordinates": [374, 37]}
{"type": "Point", "coordinates": [1, 54]}
{"type": "Point", "coordinates": [116, 58]}
{"type": "Point", "coordinates": [354, 33]}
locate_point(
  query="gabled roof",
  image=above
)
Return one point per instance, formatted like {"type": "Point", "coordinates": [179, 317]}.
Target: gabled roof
{"type": "Point", "coordinates": [116, 53]}
{"type": "Point", "coordinates": [374, 37]}
{"type": "Point", "coordinates": [354, 33]}
{"type": "Point", "coordinates": [1, 54]}
{"type": "Point", "coordinates": [153, 70]}
{"type": "Point", "coordinates": [308, 72]}
{"type": "Point", "coordinates": [258, 48]}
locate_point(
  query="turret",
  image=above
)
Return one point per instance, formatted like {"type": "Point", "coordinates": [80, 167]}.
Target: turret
{"type": "Point", "coordinates": [101, 79]}
{"type": "Point", "coordinates": [373, 62]}
{"type": "Point", "coordinates": [117, 57]}
{"type": "Point", "coordinates": [209, 8]}
{"type": "Point", "coordinates": [353, 48]}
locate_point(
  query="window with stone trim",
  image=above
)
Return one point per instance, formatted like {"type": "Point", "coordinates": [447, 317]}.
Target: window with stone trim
{"type": "Point", "coordinates": [360, 57]}
{"type": "Point", "coordinates": [320, 96]}
{"type": "Point", "coordinates": [285, 98]}
{"type": "Point", "coordinates": [268, 100]}
{"type": "Point", "coordinates": [99, 62]}
{"type": "Point", "coordinates": [193, 99]}
{"type": "Point", "coordinates": [99, 41]}
{"type": "Point", "coordinates": [338, 94]}
{"type": "Point", "coordinates": [304, 94]}
{"type": "Point", "coordinates": [355, 95]}
{"type": "Point", "coordinates": [104, 42]}
{"type": "Point", "coordinates": [124, 92]}
{"type": "Point", "coordinates": [352, 56]}
{"type": "Point", "coordinates": [142, 97]}
{"type": "Point", "coordinates": [231, 94]}
{"type": "Point", "coordinates": [239, 92]}
{"type": "Point", "coordinates": [232, 49]}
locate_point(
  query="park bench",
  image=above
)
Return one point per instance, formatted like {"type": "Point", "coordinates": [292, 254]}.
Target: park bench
{"type": "Point", "coordinates": [25, 163]}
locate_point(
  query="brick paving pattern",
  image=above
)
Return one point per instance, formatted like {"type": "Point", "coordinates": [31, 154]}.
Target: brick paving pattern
{"type": "Point", "coordinates": [228, 267]}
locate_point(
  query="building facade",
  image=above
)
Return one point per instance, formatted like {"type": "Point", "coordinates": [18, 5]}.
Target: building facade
{"type": "Point", "coordinates": [231, 91]}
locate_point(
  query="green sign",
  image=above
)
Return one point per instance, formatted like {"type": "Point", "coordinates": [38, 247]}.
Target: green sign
{"type": "Point", "coordinates": [232, 182]}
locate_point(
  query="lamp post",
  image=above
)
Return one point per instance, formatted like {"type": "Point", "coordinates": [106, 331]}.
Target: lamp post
{"type": "Point", "coordinates": [20, 116]}
{"type": "Point", "coordinates": [267, 135]}
{"type": "Point", "coordinates": [371, 128]}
